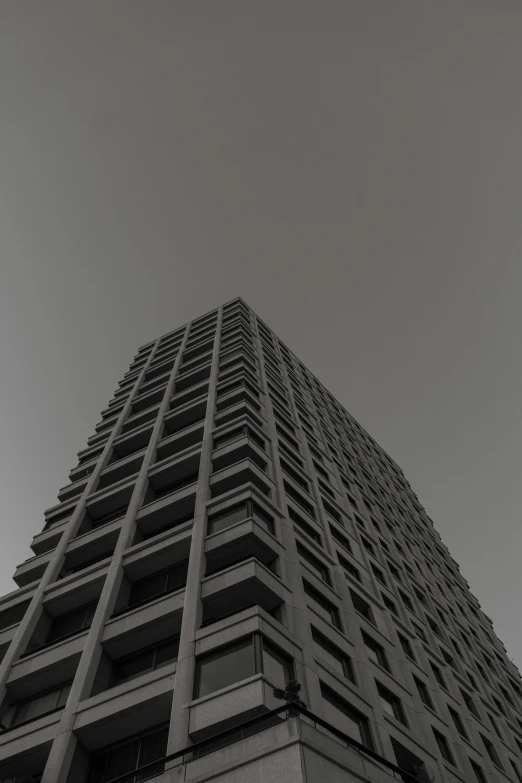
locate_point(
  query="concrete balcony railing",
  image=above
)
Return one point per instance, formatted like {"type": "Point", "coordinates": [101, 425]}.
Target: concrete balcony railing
{"type": "Point", "coordinates": [31, 569]}
{"type": "Point", "coordinates": [239, 586]}
{"type": "Point", "coordinates": [243, 472]}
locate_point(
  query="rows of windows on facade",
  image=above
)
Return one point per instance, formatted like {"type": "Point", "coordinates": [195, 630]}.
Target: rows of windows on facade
{"type": "Point", "coordinates": [228, 529]}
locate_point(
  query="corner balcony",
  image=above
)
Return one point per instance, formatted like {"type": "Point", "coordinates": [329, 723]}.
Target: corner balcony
{"type": "Point", "coordinates": [241, 449]}
{"type": "Point", "coordinates": [32, 569]}
{"type": "Point", "coordinates": [242, 540]}
{"type": "Point", "coordinates": [239, 586]}
{"type": "Point", "coordinates": [47, 540]}
{"type": "Point", "coordinates": [240, 409]}
{"type": "Point", "coordinates": [243, 472]}
{"type": "Point", "coordinates": [72, 491]}
{"type": "Point", "coordinates": [231, 706]}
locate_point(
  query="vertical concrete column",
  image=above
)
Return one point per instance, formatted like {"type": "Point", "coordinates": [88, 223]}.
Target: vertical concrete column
{"type": "Point", "coordinates": [192, 609]}
{"type": "Point", "coordinates": [64, 745]}
{"type": "Point", "coordinates": [298, 612]}
{"type": "Point", "coordinates": [26, 627]}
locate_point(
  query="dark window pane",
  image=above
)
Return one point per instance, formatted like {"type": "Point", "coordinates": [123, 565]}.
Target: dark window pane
{"type": "Point", "coordinates": [225, 667]}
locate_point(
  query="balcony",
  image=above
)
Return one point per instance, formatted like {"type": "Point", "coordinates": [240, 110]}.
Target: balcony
{"type": "Point", "coordinates": [146, 400]}
{"type": "Point", "coordinates": [108, 501]}
{"type": "Point", "coordinates": [237, 411]}
{"type": "Point", "coordinates": [90, 549]}
{"type": "Point", "coordinates": [194, 393]}
{"type": "Point", "coordinates": [133, 422]}
{"type": "Point", "coordinates": [48, 539]}
{"type": "Point", "coordinates": [125, 710]}
{"type": "Point", "coordinates": [240, 541]}
{"type": "Point", "coordinates": [159, 369]}
{"type": "Point", "coordinates": [192, 378]}
{"type": "Point", "coordinates": [72, 491]}
{"type": "Point", "coordinates": [155, 383]}
{"type": "Point", "coordinates": [180, 442]}
{"type": "Point", "coordinates": [243, 448]}
{"type": "Point", "coordinates": [231, 707]}
{"type": "Point", "coordinates": [122, 469]}
{"type": "Point", "coordinates": [181, 418]}
{"type": "Point", "coordinates": [127, 444]}
{"type": "Point", "coordinates": [83, 470]}
{"type": "Point", "coordinates": [172, 476]}
{"type": "Point", "coordinates": [147, 623]}
{"type": "Point", "coordinates": [197, 349]}
{"type": "Point", "coordinates": [31, 569]}
{"type": "Point", "coordinates": [243, 472]}
{"type": "Point", "coordinates": [98, 439]}
{"type": "Point", "coordinates": [240, 586]}
{"type": "Point", "coordinates": [166, 513]}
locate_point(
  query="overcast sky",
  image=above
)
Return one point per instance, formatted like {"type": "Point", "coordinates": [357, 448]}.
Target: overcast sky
{"type": "Point", "coordinates": [353, 170]}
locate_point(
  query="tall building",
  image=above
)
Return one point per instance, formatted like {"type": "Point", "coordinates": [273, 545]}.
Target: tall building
{"type": "Point", "coordinates": [230, 529]}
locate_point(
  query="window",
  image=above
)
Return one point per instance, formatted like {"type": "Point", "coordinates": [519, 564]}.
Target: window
{"type": "Point", "coordinates": [340, 539]}
{"type": "Point", "coordinates": [424, 693]}
{"type": "Point", "coordinates": [225, 667]}
{"type": "Point", "coordinates": [36, 706]}
{"type": "Point", "coordinates": [375, 652]}
{"type": "Point", "coordinates": [492, 752]}
{"type": "Point", "coordinates": [495, 725]}
{"type": "Point", "coordinates": [158, 584]}
{"type": "Point", "coordinates": [277, 667]}
{"type": "Point", "coordinates": [378, 575]}
{"type": "Point", "coordinates": [438, 675]}
{"type": "Point", "coordinates": [315, 565]}
{"type": "Point", "coordinates": [420, 633]}
{"type": "Point", "coordinates": [345, 718]}
{"type": "Point", "coordinates": [391, 703]}
{"type": "Point", "coordinates": [322, 605]}
{"type": "Point", "coordinates": [443, 746]}
{"type": "Point", "coordinates": [239, 661]}
{"type": "Point", "coordinates": [13, 615]}
{"type": "Point", "coordinates": [145, 660]}
{"type": "Point", "coordinates": [348, 567]}
{"type": "Point", "coordinates": [516, 770]}
{"type": "Point", "coordinates": [297, 498]}
{"type": "Point", "coordinates": [128, 756]}
{"type": "Point", "coordinates": [304, 527]}
{"type": "Point", "coordinates": [362, 607]}
{"type": "Point", "coordinates": [389, 604]}
{"type": "Point", "coordinates": [72, 622]}
{"type": "Point", "coordinates": [239, 513]}
{"type": "Point", "coordinates": [406, 600]}
{"type": "Point", "coordinates": [368, 546]}
{"type": "Point", "coordinates": [395, 572]}
{"type": "Point", "coordinates": [406, 647]}
{"type": "Point", "coordinates": [295, 476]}
{"type": "Point", "coordinates": [433, 625]}
{"type": "Point", "coordinates": [338, 660]}
{"type": "Point", "coordinates": [479, 772]}
{"type": "Point", "coordinates": [457, 720]}
{"type": "Point", "coordinates": [470, 704]}
{"type": "Point", "coordinates": [447, 658]}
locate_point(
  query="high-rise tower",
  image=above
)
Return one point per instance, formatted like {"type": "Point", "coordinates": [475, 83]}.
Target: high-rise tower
{"type": "Point", "coordinates": [230, 529]}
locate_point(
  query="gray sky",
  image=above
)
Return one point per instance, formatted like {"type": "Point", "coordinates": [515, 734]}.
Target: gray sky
{"type": "Point", "coordinates": [352, 169]}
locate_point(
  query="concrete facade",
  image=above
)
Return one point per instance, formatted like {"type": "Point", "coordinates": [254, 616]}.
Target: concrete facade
{"type": "Point", "coordinates": [230, 528]}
